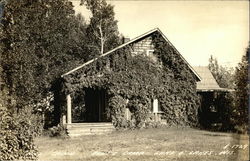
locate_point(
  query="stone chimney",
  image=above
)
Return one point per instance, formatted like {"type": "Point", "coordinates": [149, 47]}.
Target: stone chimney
{"type": "Point", "coordinates": [125, 39]}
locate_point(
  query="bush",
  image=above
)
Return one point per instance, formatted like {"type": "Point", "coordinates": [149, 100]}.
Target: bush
{"type": "Point", "coordinates": [35, 120]}
{"type": "Point", "coordinates": [57, 131]}
{"type": "Point", "coordinates": [16, 137]}
{"type": "Point", "coordinates": [241, 129]}
{"type": "Point", "coordinates": [155, 124]}
{"type": "Point", "coordinates": [117, 105]}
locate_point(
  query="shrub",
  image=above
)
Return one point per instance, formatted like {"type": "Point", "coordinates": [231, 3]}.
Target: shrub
{"type": "Point", "coordinates": [16, 137]}
{"type": "Point", "coordinates": [57, 131]}
{"type": "Point", "coordinates": [118, 105]}
{"type": "Point", "coordinates": [35, 120]}
{"type": "Point", "coordinates": [139, 111]}
{"type": "Point", "coordinates": [155, 124]}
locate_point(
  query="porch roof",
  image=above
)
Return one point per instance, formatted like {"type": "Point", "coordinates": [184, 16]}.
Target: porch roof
{"type": "Point", "coordinates": [208, 82]}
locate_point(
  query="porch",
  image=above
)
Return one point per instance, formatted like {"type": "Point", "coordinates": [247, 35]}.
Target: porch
{"type": "Point", "coordinates": [96, 117]}
{"type": "Point", "coordinates": [92, 118]}
{"type": "Point", "coordinates": [78, 129]}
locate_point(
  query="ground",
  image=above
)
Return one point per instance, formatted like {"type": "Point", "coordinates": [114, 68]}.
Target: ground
{"type": "Point", "coordinates": [168, 144]}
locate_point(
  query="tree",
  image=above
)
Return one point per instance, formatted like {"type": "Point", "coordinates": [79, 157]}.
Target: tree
{"type": "Point", "coordinates": [223, 75]}
{"type": "Point", "coordinates": [40, 40]}
{"type": "Point", "coordinates": [102, 31]}
{"type": "Point", "coordinates": [1, 9]}
{"type": "Point", "coordinates": [233, 105]}
{"type": "Point", "coordinates": [240, 112]}
{"type": "Point", "coordinates": [3, 92]}
{"type": "Point", "coordinates": [223, 101]}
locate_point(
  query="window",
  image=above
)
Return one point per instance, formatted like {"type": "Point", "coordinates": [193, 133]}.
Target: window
{"type": "Point", "coordinates": [156, 106]}
{"type": "Point", "coordinates": [149, 52]}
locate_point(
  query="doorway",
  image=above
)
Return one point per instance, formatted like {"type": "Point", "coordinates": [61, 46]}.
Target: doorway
{"type": "Point", "coordinates": [96, 104]}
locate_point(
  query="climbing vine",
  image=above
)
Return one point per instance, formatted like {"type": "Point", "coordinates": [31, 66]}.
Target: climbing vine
{"type": "Point", "coordinates": [179, 99]}
{"type": "Point", "coordinates": [132, 81]}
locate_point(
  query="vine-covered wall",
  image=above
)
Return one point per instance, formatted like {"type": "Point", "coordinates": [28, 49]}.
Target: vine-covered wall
{"type": "Point", "coordinates": [133, 80]}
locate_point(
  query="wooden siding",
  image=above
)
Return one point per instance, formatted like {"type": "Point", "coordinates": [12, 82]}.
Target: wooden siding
{"type": "Point", "coordinates": [145, 47]}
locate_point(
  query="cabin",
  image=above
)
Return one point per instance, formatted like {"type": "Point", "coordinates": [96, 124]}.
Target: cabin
{"type": "Point", "coordinates": [143, 82]}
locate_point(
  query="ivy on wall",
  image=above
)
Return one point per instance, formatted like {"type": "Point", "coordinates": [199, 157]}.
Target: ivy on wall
{"type": "Point", "coordinates": [180, 101]}
{"type": "Point", "coordinates": [139, 79]}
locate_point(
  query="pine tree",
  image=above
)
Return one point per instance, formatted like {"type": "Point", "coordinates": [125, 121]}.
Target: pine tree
{"type": "Point", "coordinates": [241, 97]}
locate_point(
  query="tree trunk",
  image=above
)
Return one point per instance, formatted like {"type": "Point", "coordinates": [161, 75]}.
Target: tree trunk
{"type": "Point", "coordinates": [101, 39]}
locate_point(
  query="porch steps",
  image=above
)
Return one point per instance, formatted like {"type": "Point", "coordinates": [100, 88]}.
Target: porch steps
{"type": "Point", "coordinates": [78, 129]}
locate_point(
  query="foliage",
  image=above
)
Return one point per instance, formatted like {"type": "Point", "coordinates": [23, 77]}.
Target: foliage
{"type": "Point", "coordinates": [17, 130]}
{"type": "Point", "coordinates": [223, 75]}
{"type": "Point", "coordinates": [56, 131]}
{"type": "Point", "coordinates": [138, 79]}
{"type": "Point", "coordinates": [232, 106]}
{"type": "Point", "coordinates": [224, 100]}
{"type": "Point", "coordinates": [155, 124]}
{"type": "Point", "coordinates": [224, 105]}
{"type": "Point", "coordinates": [1, 9]}
{"type": "Point", "coordinates": [40, 40]}
{"type": "Point", "coordinates": [178, 95]}
{"type": "Point", "coordinates": [102, 31]}
{"type": "Point", "coordinates": [3, 92]}
{"type": "Point", "coordinates": [78, 106]}
{"type": "Point", "coordinates": [35, 120]}
{"type": "Point", "coordinates": [240, 111]}
{"type": "Point", "coordinates": [118, 105]}
{"type": "Point", "coordinates": [16, 141]}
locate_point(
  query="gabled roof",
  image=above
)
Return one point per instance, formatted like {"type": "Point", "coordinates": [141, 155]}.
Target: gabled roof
{"type": "Point", "coordinates": [132, 41]}
{"type": "Point", "coordinates": [208, 82]}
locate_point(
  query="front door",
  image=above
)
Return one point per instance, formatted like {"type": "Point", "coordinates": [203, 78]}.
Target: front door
{"type": "Point", "coordinates": [95, 103]}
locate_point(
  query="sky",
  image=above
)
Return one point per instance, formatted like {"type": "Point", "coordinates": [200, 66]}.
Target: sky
{"type": "Point", "coordinates": [198, 29]}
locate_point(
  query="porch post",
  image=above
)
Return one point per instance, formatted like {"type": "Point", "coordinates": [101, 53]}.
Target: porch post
{"type": "Point", "coordinates": [64, 119]}
{"type": "Point", "coordinates": [69, 109]}
{"type": "Point", "coordinates": [127, 114]}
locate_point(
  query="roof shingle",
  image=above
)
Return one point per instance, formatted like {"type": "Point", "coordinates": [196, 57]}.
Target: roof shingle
{"type": "Point", "coordinates": [207, 83]}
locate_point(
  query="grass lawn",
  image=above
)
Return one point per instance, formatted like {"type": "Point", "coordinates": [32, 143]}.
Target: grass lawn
{"type": "Point", "coordinates": [148, 144]}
